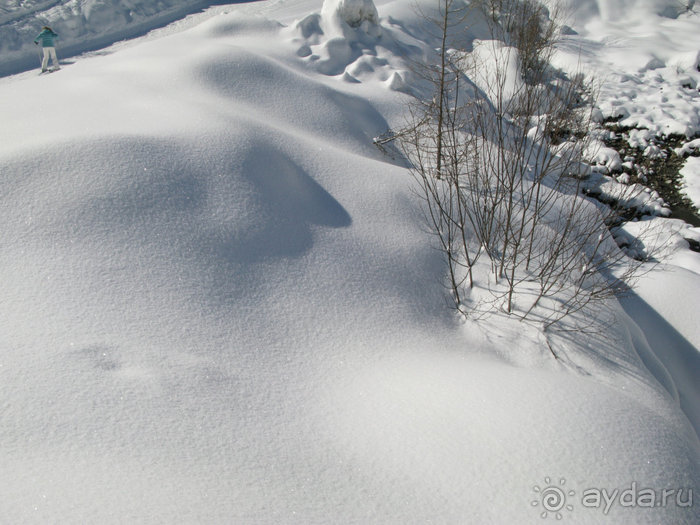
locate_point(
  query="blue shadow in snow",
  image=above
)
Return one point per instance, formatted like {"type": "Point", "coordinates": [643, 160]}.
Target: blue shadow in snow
{"type": "Point", "coordinates": [288, 202]}
{"type": "Point", "coordinates": [678, 355]}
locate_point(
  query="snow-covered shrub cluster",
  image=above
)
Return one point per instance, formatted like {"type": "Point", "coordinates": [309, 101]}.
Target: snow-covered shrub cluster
{"type": "Point", "coordinates": [645, 56]}
{"type": "Point", "coordinates": [485, 147]}
{"type": "Point", "coordinates": [346, 38]}
{"type": "Point", "coordinates": [662, 99]}
{"type": "Point", "coordinates": [355, 13]}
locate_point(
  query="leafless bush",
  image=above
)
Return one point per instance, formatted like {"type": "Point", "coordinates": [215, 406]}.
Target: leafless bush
{"type": "Point", "coordinates": [526, 25]}
{"type": "Point", "coordinates": [497, 152]}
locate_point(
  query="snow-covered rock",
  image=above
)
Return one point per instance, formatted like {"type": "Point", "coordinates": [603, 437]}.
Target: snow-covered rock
{"type": "Point", "coordinates": [607, 160]}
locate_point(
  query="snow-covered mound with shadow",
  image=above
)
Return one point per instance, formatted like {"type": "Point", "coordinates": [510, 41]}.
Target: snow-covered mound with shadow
{"type": "Point", "coordinates": [220, 305]}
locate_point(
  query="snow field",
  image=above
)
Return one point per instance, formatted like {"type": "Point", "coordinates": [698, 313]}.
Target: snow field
{"type": "Point", "coordinates": [221, 305]}
{"type": "Point", "coordinates": [82, 25]}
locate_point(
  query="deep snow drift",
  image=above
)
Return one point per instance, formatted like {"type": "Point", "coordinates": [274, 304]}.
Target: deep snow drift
{"type": "Point", "coordinates": [220, 304]}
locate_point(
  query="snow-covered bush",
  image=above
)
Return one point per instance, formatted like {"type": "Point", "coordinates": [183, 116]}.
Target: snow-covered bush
{"type": "Point", "coordinates": [352, 12]}
{"type": "Point", "coordinates": [340, 36]}
{"type": "Point", "coordinates": [526, 25]}
{"type": "Point", "coordinates": [351, 16]}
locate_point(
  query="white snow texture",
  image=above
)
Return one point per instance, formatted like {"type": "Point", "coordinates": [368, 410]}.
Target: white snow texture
{"type": "Point", "coordinates": [220, 303]}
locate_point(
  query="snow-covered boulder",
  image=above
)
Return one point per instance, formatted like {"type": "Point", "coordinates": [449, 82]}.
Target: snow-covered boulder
{"type": "Point", "coordinates": [607, 160]}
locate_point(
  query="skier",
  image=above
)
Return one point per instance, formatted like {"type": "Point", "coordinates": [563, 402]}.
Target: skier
{"type": "Point", "coordinates": [47, 37]}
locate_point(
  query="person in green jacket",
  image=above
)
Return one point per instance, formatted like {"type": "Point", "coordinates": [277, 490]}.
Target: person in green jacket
{"type": "Point", "coordinates": [48, 42]}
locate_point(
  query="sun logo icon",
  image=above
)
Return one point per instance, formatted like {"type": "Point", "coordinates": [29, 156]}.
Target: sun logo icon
{"type": "Point", "coordinates": [552, 498]}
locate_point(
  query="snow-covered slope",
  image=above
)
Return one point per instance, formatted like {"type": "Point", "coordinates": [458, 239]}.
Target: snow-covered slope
{"type": "Point", "coordinates": [220, 305]}
{"type": "Point", "coordinates": [590, 12]}
{"type": "Point", "coordinates": [82, 25]}
{"type": "Point", "coordinates": [645, 56]}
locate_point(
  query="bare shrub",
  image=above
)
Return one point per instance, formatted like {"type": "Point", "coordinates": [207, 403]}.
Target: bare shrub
{"type": "Point", "coordinates": [497, 152]}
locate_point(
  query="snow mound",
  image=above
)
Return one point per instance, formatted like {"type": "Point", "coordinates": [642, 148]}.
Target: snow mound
{"type": "Point", "coordinates": [604, 160]}
{"type": "Point", "coordinates": [247, 79]}
{"type": "Point", "coordinates": [667, 239]}
{"type": "Point", "coordinates": [496, 71]}
{"type": "Point", "coordinates": [628, 196]}
{"type": "Point", "coordinates": [240, 24]}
